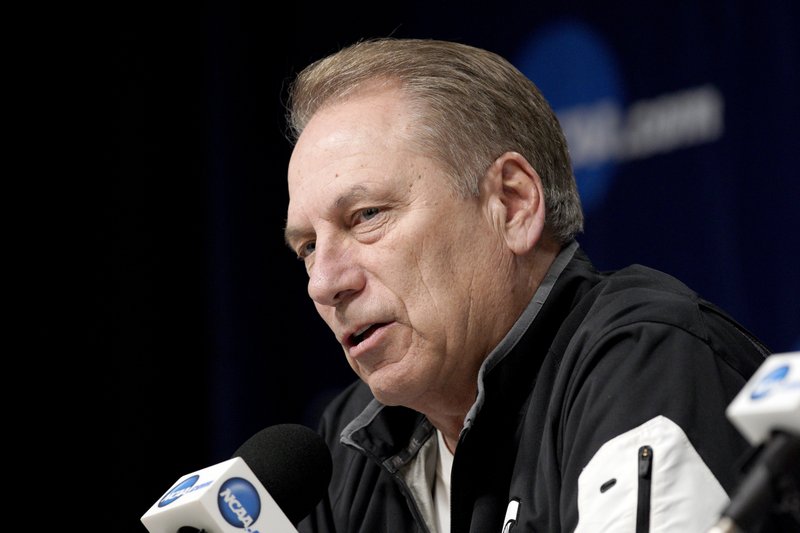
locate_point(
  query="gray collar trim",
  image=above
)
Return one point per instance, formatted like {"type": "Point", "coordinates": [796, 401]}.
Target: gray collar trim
{"type": "Point", "coordinates": [364, 419]}
{"type": "Point", "coordinates": [520, 327]}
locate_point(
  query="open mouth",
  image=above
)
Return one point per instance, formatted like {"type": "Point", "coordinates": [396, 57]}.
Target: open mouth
{"type": "Point", "coordinates": [364, 333]}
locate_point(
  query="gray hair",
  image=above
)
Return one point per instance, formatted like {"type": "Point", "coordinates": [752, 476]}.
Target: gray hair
{"type": "Point", "coordinates": [471, 106]}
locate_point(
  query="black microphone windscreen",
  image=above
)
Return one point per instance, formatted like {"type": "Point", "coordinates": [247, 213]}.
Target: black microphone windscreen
{"type": "Point", "coordinates": [294, 465]}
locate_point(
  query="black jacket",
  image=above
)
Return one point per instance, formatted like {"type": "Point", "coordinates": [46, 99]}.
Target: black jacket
{"type": "Point", "coordinates": [632, 360]}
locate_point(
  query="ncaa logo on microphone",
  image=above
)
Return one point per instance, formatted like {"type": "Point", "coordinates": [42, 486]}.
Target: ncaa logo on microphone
{"type": "Point", "coordinates": [178, 490]}
{"type": "Point", "coordinates": [239, 503]}
{"type": "Point", "coordinates": [769, 382]}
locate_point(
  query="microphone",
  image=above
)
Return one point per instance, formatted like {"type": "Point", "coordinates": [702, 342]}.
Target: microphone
{"type": "Point", "coordinates": [767, 413]}
{"type": "Point", "coordinates": [272, 482]}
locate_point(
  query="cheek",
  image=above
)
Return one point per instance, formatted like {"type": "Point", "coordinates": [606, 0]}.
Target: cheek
{"type": "Point", "coordinates": [430, 284]}
{"type": "Point", "coordinates": [455, 270]}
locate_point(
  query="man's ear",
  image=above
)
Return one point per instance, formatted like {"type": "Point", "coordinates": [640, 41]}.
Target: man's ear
{"type": "Point", "coordinates": [515, 200]}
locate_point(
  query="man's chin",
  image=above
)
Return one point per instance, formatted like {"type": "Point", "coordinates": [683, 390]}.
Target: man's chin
{"type": "Point", "coordinates": [388, 390]}
{"type": "Point", "coordinates": [393, 382]}
{"type": "Point", "coordinates": [386, 396]}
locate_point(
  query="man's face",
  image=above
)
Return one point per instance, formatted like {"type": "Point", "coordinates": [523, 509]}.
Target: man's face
{"type": "Point", "coordinates": [400, 269]}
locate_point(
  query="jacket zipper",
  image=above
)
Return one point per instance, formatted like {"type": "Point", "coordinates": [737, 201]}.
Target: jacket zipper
{"type": "Point", "coordinates": [412, 504]}
{"type": "Point", "coordinates": [645, 480]}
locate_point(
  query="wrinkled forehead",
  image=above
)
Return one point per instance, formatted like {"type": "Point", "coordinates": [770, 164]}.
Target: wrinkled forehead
{"type": "Point", "coordinates": [363, 140]}
{"type": "Point", "coordinates": [343, 132]}
{"type": "Point", "coordinates": [369, 126]}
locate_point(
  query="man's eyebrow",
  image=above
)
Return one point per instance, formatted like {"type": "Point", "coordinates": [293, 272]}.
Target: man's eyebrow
{"type": "Point", "coordinates": [291, 235]}
{"type": "Point", "coordinates": [353, 194]}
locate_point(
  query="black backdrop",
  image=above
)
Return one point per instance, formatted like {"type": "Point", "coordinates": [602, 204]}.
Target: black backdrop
{"type": "Point", "coordinates": [202, 310]}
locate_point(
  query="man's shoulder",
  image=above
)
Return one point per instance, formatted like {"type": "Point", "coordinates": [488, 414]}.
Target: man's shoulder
{"type": "Point", "coordinates": [632, 291]}
{"type": "Point", "coordinates": [642, 280]}
{"type": "Point", "coordinates": [637, 299]}
{"type": "Point", "coordinates": [642, 294]}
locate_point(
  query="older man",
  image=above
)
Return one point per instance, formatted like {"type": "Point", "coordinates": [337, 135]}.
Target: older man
{"type": "Point", "coordinates": [504, 382]}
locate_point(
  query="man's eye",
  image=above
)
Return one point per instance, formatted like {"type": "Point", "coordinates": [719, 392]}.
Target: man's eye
{"type": "Point", "coordinates": [306, 250]}
{"type": "Point", "coordinates": [369, 213]}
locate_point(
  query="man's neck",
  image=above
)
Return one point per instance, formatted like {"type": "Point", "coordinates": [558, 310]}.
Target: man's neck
{"type": "Point", "coordinates": [451, 422]}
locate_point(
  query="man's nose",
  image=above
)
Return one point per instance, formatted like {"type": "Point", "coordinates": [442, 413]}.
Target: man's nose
{"type": "Point", "coordinates": [335, 275]}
